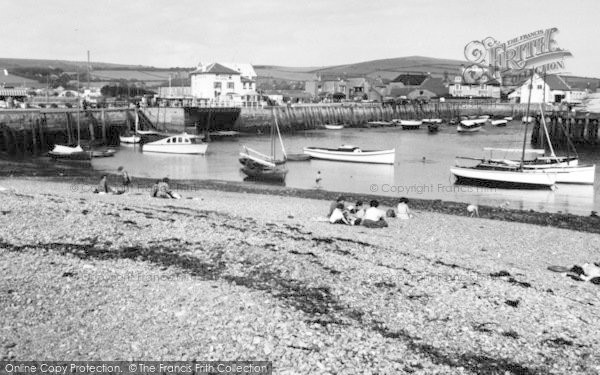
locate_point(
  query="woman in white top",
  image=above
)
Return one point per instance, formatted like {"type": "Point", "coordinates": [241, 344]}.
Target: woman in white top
{"type": "Point", "coordinates": [374, 217]}
{"type": "Point", "coordinates": [403, 210]}
{"type": "Point", "coordinates": [337, 215]}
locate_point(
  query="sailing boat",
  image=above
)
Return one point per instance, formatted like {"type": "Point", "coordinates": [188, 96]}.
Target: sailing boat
{"type": "Point", "coordinates": [259, 166]}
{"type": "Point", "coordinates": [68, 152]}
{"type": "Point", "coordinates": [491, 173]}
{"type": "Point", "coordinates": [567, 168]}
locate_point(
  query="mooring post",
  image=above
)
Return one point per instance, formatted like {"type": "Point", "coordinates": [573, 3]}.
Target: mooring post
{"type": "Point", "coordinates": [33, 136]}
{"type": "Point", "coordinates": [103, 120]}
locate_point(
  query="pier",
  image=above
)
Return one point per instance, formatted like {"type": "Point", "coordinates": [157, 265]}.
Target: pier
{"type": "Point", "coordinates": [564, 127]}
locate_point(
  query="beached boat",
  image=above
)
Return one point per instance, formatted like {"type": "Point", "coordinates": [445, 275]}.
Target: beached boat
{"type": "Point", "coordinates": [469, 126]}
{"type": "Point", "coordinates": [353, 154]}
{"type": "Point", "coordinates": [334, 127]}
{"type": "Point", "coordinates": [508, 118]}
{"type": "Point", "coordinates": [499, 122]}
{"type": "Point", "coordinates": [130, 139]}
{"type": "Point", "coordinates": [483, 117]}
{"type": "Point", "coordinates": [69, 153]}
{"type": "Point", "coordinates": [432, 121]}
{"type": "Point", "coordinates": [409, 124]}
{"type": "Point", "coordinates": [177, 144]}
{"type": "Point", "coordinates": [259, 166]}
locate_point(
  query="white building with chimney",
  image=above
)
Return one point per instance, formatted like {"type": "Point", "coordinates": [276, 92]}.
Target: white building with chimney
{"type": "Point", "coordinates": [225, 83]}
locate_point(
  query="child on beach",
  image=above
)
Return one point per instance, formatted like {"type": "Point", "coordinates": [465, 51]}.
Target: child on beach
{"type": "Point", "coordinates": [103, 187]}
{"type": "Point", "coordinates": [338, 216]}
{"type": "Point", "coordinates": [334, 205]}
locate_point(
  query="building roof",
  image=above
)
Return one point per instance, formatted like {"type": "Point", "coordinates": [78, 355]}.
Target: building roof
{"type": "Point", "coordinates": [13, 92]}
{"type": "Point", "coordinates": [245, 69]}
{"type": "Point", "coordinates": [555, 82]}
{"type": "Point", "coordinates": [435, 85]}
{"type": "Point", "coordinates": [401, 91]}
{"type": "Point", "coordinates": [581, 83]}
{"type": "Point", "coordinates": [215, 68]}
{"type": "Point", "coordinates": [411, 79]}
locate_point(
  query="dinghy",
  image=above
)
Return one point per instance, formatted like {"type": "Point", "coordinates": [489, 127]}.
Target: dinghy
{"type": "Point", "coordinates": [334, 127]}
{"type": "Point", "coordinates": [353, 154]}
{"type": "Point", "coordinates": [469, 126]}
{"type": "Point", "coordinates": [70, 153]}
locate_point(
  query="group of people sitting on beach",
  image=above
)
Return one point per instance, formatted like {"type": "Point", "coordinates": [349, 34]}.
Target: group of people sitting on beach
{"type": "Point", "coordinates": [160, 189]}
{"type": "Point", "coordinates": [372, 217]}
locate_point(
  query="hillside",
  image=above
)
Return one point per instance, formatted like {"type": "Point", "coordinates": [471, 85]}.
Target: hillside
{"type": "Point", "coordinates": [385, 68]}
{"type": "Point", "coordinates": [64, 65]}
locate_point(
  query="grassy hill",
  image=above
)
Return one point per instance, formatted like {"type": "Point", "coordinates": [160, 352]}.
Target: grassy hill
{"type": "Point", "coordinates": [386, 68]}
{"type": "Point", "coordinates": [64, 65]}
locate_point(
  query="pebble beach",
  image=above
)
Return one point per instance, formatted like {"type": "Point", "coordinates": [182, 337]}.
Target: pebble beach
{"type": "Point", "coordinates": [221, 275]}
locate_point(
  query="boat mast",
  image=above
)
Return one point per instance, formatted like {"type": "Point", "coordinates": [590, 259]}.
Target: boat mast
{"type": "Point", "coordinates": [280, 139]}
{"type": "Point", "coordinates": [78, 110]}
{"type": "Point", "coordinates": [552, 154]}
{"type": "Point", "coordinates": [527, 119]}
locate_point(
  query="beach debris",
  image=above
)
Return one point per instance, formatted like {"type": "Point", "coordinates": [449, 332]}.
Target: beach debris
{"type": "Point", "coordinates": [473, 210]}
{"type": "Point", "coordinates": [500, 274]}
{"type": "Point", "coordinates": [587, 272]}
{"type": "Point", "coordinates": [512, 302]}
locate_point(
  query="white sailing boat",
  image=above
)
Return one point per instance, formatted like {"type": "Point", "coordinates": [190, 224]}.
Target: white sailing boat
{"type": "Point", "coordinates": [492, 173]}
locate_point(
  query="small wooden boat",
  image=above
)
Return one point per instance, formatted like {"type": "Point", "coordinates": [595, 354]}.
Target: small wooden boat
{"type": "Point", "coordinates": [484, 117]}
{"type": "Point", "coordinates": [298, 157]}
{"type": "Point", "coordinates": [351, 153]}
{"type": "Point", "coordinates": [432, 121]}
{"type": "Point", "coordinates": [178, 144]}
{"type": "Point", "coordinates": [409, 124]}
{"type": "Point", "coordinates": [69, 153]}
{"type": "Point", "coordinates": [258, 166]}
{"type": "Point", "coordinates": [103, 153]}
{"type": "Point", "coordinates": [334, 127]}
{"type": "Point", "coordinates": [377, 124]}
{"type": "Point", "coordinates": [499, 122]}
{"type": "Point", "coordinates": [508, 118]}
{"type": "Point", "coordinates": [469, 126]}
{"type": "Point", "coordinates": [433, 128]}
{"type": "Point", "coordinates": [130, 139]}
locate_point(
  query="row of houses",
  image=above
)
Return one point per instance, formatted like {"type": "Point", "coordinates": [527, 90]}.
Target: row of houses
{"type": "Point", "coordinates": [552, 88]}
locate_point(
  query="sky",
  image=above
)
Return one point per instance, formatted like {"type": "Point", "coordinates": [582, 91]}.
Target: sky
{"type": "Point", "coordinates": [305, 33]}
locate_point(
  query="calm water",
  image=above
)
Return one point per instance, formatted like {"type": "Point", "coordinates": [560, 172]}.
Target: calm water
{"type": "Point", "coordinates": [411, 176]}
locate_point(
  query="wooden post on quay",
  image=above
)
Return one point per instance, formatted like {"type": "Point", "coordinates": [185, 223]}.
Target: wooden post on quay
{"type": "Point", "coordinates": [103, 120]}
{"type": "Point", "coordinates": [33, 126]}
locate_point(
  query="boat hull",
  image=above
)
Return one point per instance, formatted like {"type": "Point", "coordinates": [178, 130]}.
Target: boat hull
{"type": "Point", "coordinates": [433, 128]}
{"type": "Point", "coordinates": [81, 155]}
{"type": "Point", "coordinates": [334, 127]}
{"type": "Point", "coordinates": [499, 122]}
{"type": "Point", "coordinates": [189, 149]}
{"type": "Point", "coordinates": [584, 175]}
{"type": "Point", "coordinates": [504, 178]}
{"type": "Point", "coordinates": [373, 157]}
{"type": "Point", "coordinates": [103, 153]}
{"type": "Point", "coordinates": [468, 129]}
{"type": "Point", "coordinates": [256, 171]}
{"type": "Point", "coordinates": [130, 139]}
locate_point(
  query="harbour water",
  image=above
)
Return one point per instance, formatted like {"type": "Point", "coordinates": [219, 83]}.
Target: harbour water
{"type": "Point", "coordinates": [421, 169]}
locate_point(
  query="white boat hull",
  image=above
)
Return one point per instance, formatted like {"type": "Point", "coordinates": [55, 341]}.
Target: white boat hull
{"type": "Point", "coordinates": [131, 139]}
{"type": "Point", "coordinates": [569, 174]}
{"type": "Point", "coordinates": [520, 178]}
{"type": "Point", "coordinates": [176, 149]}
{"type": "Point", "coordinates": [374, 157]}
{"type": "Point", "coordinates": [499, 122]}
{"type": "Point", "coordinates": [334, 127]}
{"type": "Point", "coordinates": [468, 126]}
{"type": "Point", "coordinates": [432, 120]}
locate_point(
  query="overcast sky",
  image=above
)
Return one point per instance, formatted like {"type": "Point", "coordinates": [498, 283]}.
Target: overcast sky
{"type": "Point", "coordinates": [283, 32]}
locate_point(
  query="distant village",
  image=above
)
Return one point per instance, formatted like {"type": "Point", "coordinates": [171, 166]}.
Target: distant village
{"type": "Point", "coordinates": [237, 84]}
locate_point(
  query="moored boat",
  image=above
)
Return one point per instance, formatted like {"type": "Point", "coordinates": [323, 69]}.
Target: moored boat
{"type": "Point", "coordinates": [103, 153]}
{"type": "Point", "coordinates": [375, 124]}
{"type": "Point", "coordinates": [130, 139]}
{"type": "Point", "coordinates": [508, 118]}
{"type": "Point", "coordinates": [177, 144]}
{"type": "Point", "coordinates": [504, 176]}
{"type": "Point", "coordinates": [69, 153]}
{"type": "Point", "coordinates": [432, 121]}
{"type": "Point", "coordinates": [468, 126]}
{"type": "Point", "coordinates": [409, 124]}
{"type": "Point", "coordinates": [433, 127]}
{"type": "Point", "coordinates": [499, 122]}
{"type": "Point", "coordinates": [353, 154]}
{"type": "Point", "coordinates": [334, 127]}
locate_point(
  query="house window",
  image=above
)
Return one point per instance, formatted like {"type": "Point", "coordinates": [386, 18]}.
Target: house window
{"type": "Point", "coordinates": [230, 85]}
{"type": "Point", "coordinates": [358, 89]}
{"type": "Point", "coordinates": [539, 87]}
{"type": "Point", "coordinates": [217, 85]}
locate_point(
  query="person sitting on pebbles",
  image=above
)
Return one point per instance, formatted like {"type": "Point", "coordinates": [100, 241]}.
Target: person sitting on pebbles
{"type": "Point", "coordinates": [403, 210]}
{"type": "Point", "coordinates": [339, 216]}
{"type": "Point", "coordinates": [374, 217]}
{"type": "Point", "coordinates": [334, 205]}
{"type": "Point", "coordinates": [162, 190]}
